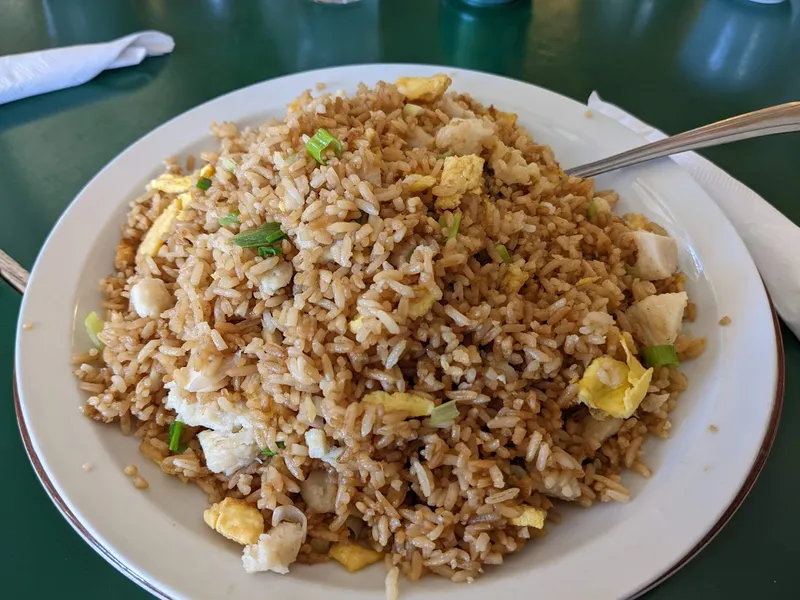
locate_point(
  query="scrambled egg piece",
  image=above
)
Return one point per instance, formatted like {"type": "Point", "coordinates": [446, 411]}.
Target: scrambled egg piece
{"type": "Point", "coordinates": [635, 221]}
{"type": "Point", "coordinates": [586, 281]}
{"type": "Point", "coordinates": [416, 406]}
{"type": "Point", "coordinates": [421, 304]}
{"type": "Point", "coordinates": [207, 171]}
{"type": "Point", "coordinates": [463, 173]}
{"type": "Point", "coordinates": [419, 183]}
{"type": "Point", "coordinates": [356, 324]}
{"type": "Point", "coordinates": [160, 228]}
{"type": "Point", "coordinates": [614, 387]}
{"type": "Point", "coordinates": [514, 279]}
{"type": "Point", "coordinates": [352, 556]}
{"type": "Point", "coordinates": [530, 517]}
{"type": "Point", "coordinates": [236, 520]}
{"type": "Point", "coordinates": [171, 184]}
{"type": "Point", "coordinates": [426, 89]}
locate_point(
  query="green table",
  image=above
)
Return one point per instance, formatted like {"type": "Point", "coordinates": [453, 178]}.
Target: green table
{"type": "Point", "coordinates": [676, 64]}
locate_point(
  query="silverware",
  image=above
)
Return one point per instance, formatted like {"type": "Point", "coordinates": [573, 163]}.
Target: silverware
{"type": "Point", "coordinates": [783, 118]}
{"type": "Point", "coordinates": [13, 273]}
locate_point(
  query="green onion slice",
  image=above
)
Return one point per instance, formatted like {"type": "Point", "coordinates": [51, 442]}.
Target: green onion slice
{"type": "Point", "coordinates": [629, 270]}
{"type": "Point", "coordinates": [267, 452]}
{"type": "Point", "coordinates": [660, 356]}
{"type": "Point", "coordinates": [265, 235]}
{"type": "Point", "coordinates": [591, 211]}
{"type": "Point", "coordinates": [456, 225]}
{"type": "Point", "coordinates": [232, 218]}
{"type": "Point", "coordinates": [175, 431]}
{"type": "Point", "coordinates": [94, 325]}
{"type": "Point", "coordinates": [444, 413]}
{"type": "Point", "coordinates": [320, 141]}
{"type": "Point", "coordinates": [446, 154]}
{"type": "Point", "coordinates": [228, 163]}
{"type": "Point", "coordinates": [265, 251]}
{"type": "Point", "coordinates": [503, 252]}
{"type": "Point", "coordinates": [204, 183]}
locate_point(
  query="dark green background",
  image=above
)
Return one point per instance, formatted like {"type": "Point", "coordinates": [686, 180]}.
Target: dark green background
{"type": "Point", "coordinates": [675, 63]}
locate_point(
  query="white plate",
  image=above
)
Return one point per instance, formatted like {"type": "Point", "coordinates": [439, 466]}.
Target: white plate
{"type": "Point", "coordinates": [158, 537]}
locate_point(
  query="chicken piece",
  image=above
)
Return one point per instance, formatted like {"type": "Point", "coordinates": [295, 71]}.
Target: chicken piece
{"type": "Point", "coordinates": [422, 303]}
{"type": "Point", "coordinates": [210, 378]}
{"type": "Point", "coordinates": [530, 517]}
{"type": "Point", "coordinates": [657, 319]}
{"type": "Point", "coordinates": [514, 279]}
{"type": "Point", "coordinates": [171, 184]}
{"type": "Point", "coordinates": [352, 556]}
{"type": "Point", "coordinates": [317, 443]}
{"type": "Point", "coordinates": [160, 229]}
{"type": "Point", "coordinates": [276, 550]}
{"type": "Point", "coordinates": [236, 520]}
{"type": "Point", "coordinates": [208, 414]}
{"type": "Point", "coordinates": [228, 452]}
{"type": "Point", "coordinates": [276, 278]}
{"type": "Point", "coordinates": [319, 491]}
{"type": "Point", "coordinates": [657, 256]}
{"type": "Point", "coordinates": [465, 136]}
{"type": "Point", "coordinates": [419, 183]}
{"type": "Point", "coordinates": [460, 175]}
{"type": "Point", "coordinates": [150, 297]}
{"type": "Point", "coordinates": [416, 406]}
{"type": "Point", "coordinates": [424, 89]}
{"type": "Point", "coordinates": [509, 166]}
{"type": "Point", "coordinates": [597, 431]}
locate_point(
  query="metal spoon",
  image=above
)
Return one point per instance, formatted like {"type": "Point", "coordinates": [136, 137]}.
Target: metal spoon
{"type": "Point", "coordinates": [782, 118]}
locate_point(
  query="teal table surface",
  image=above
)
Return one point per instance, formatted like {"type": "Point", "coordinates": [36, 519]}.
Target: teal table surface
{"type": "Point", "coordinates": [675, 63]}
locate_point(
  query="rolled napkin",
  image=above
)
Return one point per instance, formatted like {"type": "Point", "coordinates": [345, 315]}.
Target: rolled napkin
{"type": "Point", "coordinates": [771, 238]}
{"type": "Point", "coordinates": [32, 73]}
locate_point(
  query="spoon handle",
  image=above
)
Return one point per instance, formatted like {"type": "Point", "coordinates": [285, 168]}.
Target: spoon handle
{"type": "Point", "coordinates": [782, 118]}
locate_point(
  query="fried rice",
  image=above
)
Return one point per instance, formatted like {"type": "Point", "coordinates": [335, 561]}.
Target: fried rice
{"type": "Point", "coordinates": [311, 375]}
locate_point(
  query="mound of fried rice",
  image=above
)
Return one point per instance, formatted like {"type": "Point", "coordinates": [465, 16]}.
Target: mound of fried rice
{"type": "Point", "coordinates": [378, 288]}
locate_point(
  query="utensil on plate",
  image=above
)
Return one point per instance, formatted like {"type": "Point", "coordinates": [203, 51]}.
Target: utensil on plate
{"type": "Point", "coordinates": [13, 273]}
{"type": "Point", "coordinates": [782, 118]}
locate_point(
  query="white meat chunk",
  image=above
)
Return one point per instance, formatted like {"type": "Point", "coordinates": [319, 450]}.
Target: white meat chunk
{"type": "Point", "coordinates": [597, 431]}
{"type": "Point", "coordinates": [317, 443]}
{"type": "Point", "coordinates": [210, 378]}
{"type": "Point", "coordinates": [150, 297]}
{"type": "Point", "coordinates": [210, 414]}
{"type": "Point", "coordinates": [275, 550]}
{"type": "Point", "coordinates": [509, 166]}
{"type": "Point", "coordinates": [465, 136]}
{"type": "Point", "coordinates": [657, 255]}
{"type": "Point", "coordinates": [228, 452]}
{"type": "Point", "coordinates": [657, 319]}
{"type": "Point", "coordinates": [319, 491]}
{"type": "Point", "coordinates": [276, 278]}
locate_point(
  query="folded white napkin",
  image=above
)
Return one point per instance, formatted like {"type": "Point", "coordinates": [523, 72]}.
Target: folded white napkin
{"type": "Point", "coordinates": [771, 238]}
{"type": "Point", "coordinates": [32, 73]}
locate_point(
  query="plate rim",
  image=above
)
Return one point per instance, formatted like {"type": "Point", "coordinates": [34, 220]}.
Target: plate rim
{"type": "Point", "coordinates": [747, 483]}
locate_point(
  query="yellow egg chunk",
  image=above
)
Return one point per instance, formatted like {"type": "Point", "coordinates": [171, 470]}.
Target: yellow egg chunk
{"type": "Point", "coordinates": [352, 556]}
{"type": "Point", "coordinates": [421, 304]}
{"type": "Point", "coordinates": [236, 520]}
{"type": "Point", "coordinates": [530, 517]}
{"type": "Point", "coordinates": [426, 89]}
{"type": "Point", "coordinates": [614, 387]}
{"type": "Point", "coordinates": [415, 406]}
{"type": "Point", "coordinates": [356, 324]}
{"type": "Point", "coordinates": [514, 279]}
{"type": "Point", "coordinates": [160, 228]}
{"type": "Point", "coordinates": [207, 171]}
{"type": "Point", "coordinates": [460, 174]}
{"type": "Point", "coordinates": [171, 184]}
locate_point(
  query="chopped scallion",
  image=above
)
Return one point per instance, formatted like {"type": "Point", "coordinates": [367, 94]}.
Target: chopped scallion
{"type": "Point", "coordinates": [175, 431]}
{"type": "Point", "coordinates": [204, 183]}
{"type": "Point", "coordinates": [629, 270]}
{"type": "Point", "coordinates": [660, 356]}
{"type": "Point", "coordinates": [264, 251]}
{"type": "Point", "coordinates": [232, 218]}
{"type": "Point", "coordinates": [444, 413]}
{"type": "Point", "coordinates": [228, 163]}
{"type": "Point", "coordinates": [446, 154]}
{"type": "Point", "coordinates": [443, 222]}
{"type": "Point", "coordinates": [456, 225]}
{"type": "Point", "coordinates": [503, 252]}
{"type": "Point", "coordinates": [591, 211]}
{"type": "Point", "coordinates": [94, 325]}
{"type": "Point", "coordinates": [265, 235]}
{"type": "Point", "coordinates": [267, 452]}
{"type": "Point", "coordinates": [281, 444]}
{"type": "Point", "coordinates": [319, 142]}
